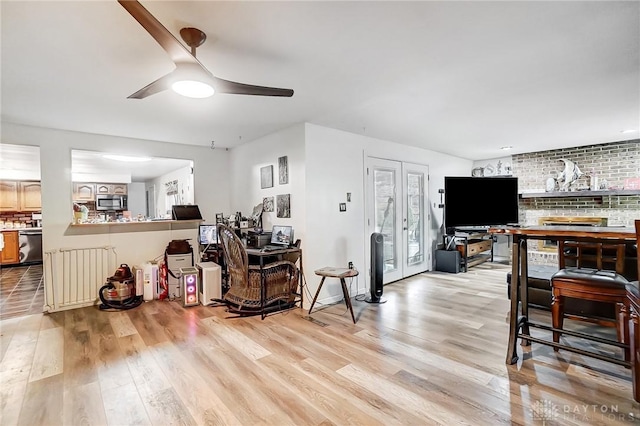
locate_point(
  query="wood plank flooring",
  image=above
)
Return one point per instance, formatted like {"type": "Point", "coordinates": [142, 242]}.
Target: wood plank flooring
{"type": "Point", "coordinates": [433, 354]}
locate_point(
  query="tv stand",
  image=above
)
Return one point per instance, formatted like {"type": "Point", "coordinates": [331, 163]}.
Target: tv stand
{"type": "Point", "coordinates": [475, 246]}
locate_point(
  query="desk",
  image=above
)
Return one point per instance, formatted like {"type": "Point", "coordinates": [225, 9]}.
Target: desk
{"type": "Point", "coordinates": [261, 255]}
{"type": "Point", "coordinates": [519, 269]}
{"type": "Point", "coordinates": [340, 273]}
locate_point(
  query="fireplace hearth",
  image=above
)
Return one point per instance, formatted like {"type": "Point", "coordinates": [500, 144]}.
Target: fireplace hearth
{"type": "Point", "coordinates": [552, 246]}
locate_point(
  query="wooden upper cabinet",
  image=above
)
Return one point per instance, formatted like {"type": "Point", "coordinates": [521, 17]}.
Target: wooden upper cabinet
{"type": "Point", "coordinates": [18, 196]}
{"type": "Point", "coordinates": [87, 191]}
{"type": "Point", "coordinates": [30, 196]}
{"type": "Point", "coordinates": [9, 200]}
{"type": "Point", "coordinates": [111, 188]}
{"type": "Point", "coordinates": [84, 191]}
{"type": "Point", "coordinates": [119, 189]}
{"type": "Point", "coordinates": [103, 188]}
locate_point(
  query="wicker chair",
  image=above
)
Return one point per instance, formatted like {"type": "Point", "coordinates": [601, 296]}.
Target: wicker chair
{"type": "Point", "coordinates": [281, 277]}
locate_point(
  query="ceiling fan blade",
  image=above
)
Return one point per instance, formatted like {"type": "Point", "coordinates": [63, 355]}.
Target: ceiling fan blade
{"type": "Point", "coordinates": [161, 84]}
{"type": "Point", "coordinates": [232, 87]}
{"type": "Point", "coordinates": [184, 59]}
{"type": "Point", "coordinates": [176, 50]}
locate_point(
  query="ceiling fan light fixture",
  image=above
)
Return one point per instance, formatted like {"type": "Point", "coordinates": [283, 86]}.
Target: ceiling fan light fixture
{"type": "Point", "coordinates": [192, 89]}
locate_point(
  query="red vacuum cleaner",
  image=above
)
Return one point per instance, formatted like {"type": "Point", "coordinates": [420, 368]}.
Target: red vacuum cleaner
{"type": "Point", "coordinates": [121, 291]}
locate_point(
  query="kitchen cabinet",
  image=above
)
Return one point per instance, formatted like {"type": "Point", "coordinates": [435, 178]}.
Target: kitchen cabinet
{"type": "Point", "coordinates": [84, 191]}
{"type": "Point", "coordinates": [9, 196]}
{"type": "Point", "coordinates": [111, 188]}
{"type": "Point", "coordinates": [11, 251]}
{"type": "Point", "coordinates": [20, 196]}
{"type": "Point", "coordinates": [30, 196]}
{"type": "Point", "coordinates": [119, 189]}
{"type": "Point", "coordinates": [103, 188]}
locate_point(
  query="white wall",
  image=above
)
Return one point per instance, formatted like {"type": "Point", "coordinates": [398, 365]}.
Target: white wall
{"type": "Point", "coordinates": [246, 161]}
{"type": "Point", "coordinates": [211, 187]}
{"type": "Point", "coordinates": [336, 165]}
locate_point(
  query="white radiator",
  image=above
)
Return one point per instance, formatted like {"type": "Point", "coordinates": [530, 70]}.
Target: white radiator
{"type": "Point", "coordinates": [74, 275]}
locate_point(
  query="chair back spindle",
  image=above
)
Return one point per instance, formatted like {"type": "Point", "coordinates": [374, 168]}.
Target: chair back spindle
{"type": "Point", "coordinates": [592, 255]}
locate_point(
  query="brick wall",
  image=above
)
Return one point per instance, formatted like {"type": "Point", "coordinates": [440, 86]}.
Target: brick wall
{"type": "Point", "coordinates": [22, 217]}
{"type": "Point", "coordinates": [611, 162]}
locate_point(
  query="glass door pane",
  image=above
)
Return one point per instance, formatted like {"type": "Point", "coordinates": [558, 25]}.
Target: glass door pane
{"type": "Point", "coordinates": [385, 217]}
{"type": "Point", "coordinates": [415, 218]}
{"type": "Point", "coordinates": [384, 212]}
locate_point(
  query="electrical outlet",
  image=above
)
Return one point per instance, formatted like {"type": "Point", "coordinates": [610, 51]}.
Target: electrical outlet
{"type": "Point", "coordinates": [350, 265]}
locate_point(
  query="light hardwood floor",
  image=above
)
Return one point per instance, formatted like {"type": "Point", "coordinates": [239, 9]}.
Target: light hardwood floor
{"type": "Point", "coordinates": [433, 354]}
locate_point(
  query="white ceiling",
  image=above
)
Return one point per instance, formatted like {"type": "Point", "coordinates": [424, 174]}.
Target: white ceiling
{"type": "Point", "coordinates": [464, 78]}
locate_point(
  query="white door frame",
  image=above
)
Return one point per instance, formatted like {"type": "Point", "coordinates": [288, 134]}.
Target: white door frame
{"type": "Point", "coordinates": [400, 209]}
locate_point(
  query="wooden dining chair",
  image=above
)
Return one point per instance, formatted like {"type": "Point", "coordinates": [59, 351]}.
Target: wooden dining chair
{"type": "Point", "coordinates": [633, 294]}
{"type": "Point", "coordinates": [591, 271]}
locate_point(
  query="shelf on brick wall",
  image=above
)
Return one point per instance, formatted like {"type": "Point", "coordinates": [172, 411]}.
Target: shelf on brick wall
{"type": "Point", "coordinates": [572, 194]}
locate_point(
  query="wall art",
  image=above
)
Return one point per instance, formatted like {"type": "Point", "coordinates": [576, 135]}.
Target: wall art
{"type": "Point", "coordinates": [283, 203]}
{"type": "Point", "coordinates": [283, 170]}
{"type": "Point", "coordinates": [267, 203]}
{"type": "Point", "coordinates": [266, 177]}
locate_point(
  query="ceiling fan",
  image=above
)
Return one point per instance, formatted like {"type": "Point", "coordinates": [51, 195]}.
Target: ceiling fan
{"type": "Point", "coordinates": [190, 78]}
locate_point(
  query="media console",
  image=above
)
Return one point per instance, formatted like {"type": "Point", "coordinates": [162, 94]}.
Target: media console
{"type": "Point", "coordinates": [475, 247]}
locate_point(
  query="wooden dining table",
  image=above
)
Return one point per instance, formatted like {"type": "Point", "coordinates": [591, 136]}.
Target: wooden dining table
{"type": "Point", "coordinates": [519, 322]}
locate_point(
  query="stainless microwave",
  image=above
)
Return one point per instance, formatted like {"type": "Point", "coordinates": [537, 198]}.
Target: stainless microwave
{"type": "Point", "coordinates": [111, 202]}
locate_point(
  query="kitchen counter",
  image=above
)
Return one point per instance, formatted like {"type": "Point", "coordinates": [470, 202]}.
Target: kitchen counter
{"type": "Point", "coordinates": [119, 227]}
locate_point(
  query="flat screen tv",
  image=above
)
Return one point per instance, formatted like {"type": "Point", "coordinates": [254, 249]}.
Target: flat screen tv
{"type": "Point", "coordinates": [480, 201]}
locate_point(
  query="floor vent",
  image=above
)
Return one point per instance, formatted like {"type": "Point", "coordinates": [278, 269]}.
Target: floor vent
{"type": "Point", "coordinates": [315, 321]}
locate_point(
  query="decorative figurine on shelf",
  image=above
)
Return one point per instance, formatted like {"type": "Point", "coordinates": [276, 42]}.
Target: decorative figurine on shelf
{"type": "Point", "coordinates": [569, 175]}
{"type": "Point", "coordinates": [551, 184]}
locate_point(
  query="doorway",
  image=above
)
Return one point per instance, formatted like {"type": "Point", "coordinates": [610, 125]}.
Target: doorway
{"type": "Point", "coordinates": [21, 270]}
{"type": "Point", "coordinates": [150, 200]}
{"type": "Point", "coordinates": [397, 204]}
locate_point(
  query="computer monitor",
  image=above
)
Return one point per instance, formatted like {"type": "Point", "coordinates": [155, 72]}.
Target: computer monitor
{"type": "Point", "coordinates": [282, 235]}
{"type": "Point", "coordinates": [207, 234]}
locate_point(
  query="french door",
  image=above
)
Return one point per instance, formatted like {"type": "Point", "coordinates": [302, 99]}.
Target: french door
{"type": "Point", "coordinates": [398, 209]}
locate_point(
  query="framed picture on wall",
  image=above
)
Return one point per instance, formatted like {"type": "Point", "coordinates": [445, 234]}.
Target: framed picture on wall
{"type": "Point", "coordinates": [266, 177]}
{"type": "Point", "coordinates": [267, 203]}
{"type": "Point", "coordinates": [283, 170]}
{"type": "Point", "coordinates": [283, 205]}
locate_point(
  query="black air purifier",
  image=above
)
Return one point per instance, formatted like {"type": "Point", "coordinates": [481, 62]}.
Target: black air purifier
{"type": "Point", "coordinates": [377, 268]}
